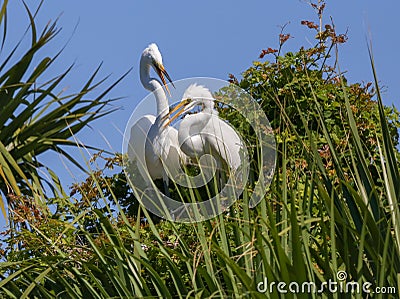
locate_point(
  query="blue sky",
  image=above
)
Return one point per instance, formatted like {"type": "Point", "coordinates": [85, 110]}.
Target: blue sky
{"type": "Point", "coordinates": [204, 38]}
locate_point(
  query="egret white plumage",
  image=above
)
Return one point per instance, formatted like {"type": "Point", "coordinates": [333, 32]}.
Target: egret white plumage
{"type": "Point", "coordinates": [151, 139]}
{"type": "Point", "coordinates": [204, 132]}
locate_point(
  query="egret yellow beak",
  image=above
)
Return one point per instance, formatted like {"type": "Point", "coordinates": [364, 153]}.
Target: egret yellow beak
{"type": "Point", "coordinates": [161, 72]}
{"type": "Point", "coordinates": [179, 109]}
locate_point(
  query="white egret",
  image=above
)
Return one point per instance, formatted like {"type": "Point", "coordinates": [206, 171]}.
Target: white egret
{"type": "Point", "coordinates": [204, 132]}
{"type": "Point", "coordinates": [151, 139]}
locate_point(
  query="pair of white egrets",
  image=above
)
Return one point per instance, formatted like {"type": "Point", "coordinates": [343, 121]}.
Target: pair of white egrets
{"type": "Point", "coordinates": [159, 148]}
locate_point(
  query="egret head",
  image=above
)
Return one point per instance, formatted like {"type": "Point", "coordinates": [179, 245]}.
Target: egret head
{"type": "Point", "coordinates": [193, 96]}
{"type": "Point", "coordinates": [198, 95]}
{"type": "Point", "coordinates": [197, 91]}
{"type": "Point", "coordinates": [152, 56]}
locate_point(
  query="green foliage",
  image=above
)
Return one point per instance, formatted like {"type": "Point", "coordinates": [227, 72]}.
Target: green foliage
{"type": "Point", "coordinates": [36, 117]}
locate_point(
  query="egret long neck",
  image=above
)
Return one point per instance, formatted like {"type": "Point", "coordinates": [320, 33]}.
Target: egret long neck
{"type": "Point", "coordinates": [155, 86]}
{"type": "Point", "coordinates": [192, 125]}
